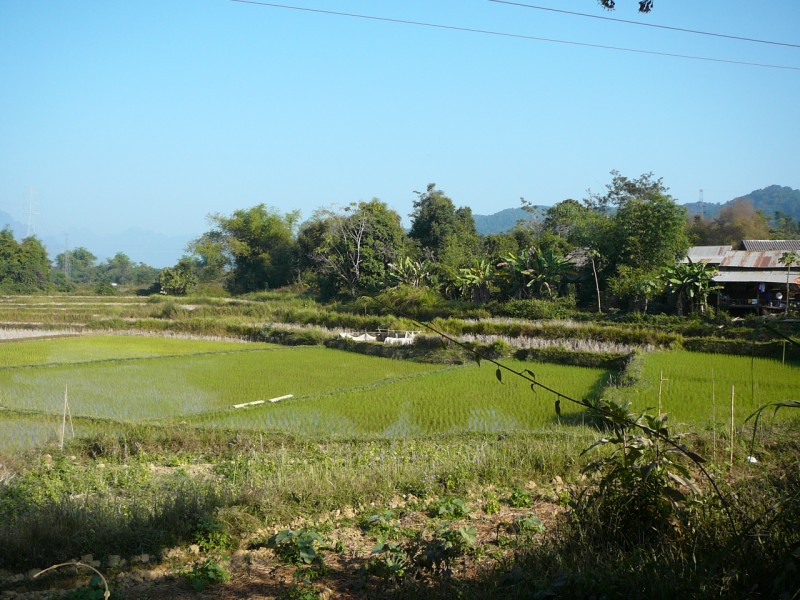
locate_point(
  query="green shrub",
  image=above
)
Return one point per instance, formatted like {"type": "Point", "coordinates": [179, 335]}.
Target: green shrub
{"type": "Point", "coordinates": [211, 536]}
{"type": "Point", "coordinates": [536, 309]}
{"type": "Point", "coordinates": [208, 572]}
{"type": "Point", "coordinates": [520, 499]}
{"type": "Point", "coordinates": [449, 508]}
{"type": "Point", "coordinates": [299, 547]}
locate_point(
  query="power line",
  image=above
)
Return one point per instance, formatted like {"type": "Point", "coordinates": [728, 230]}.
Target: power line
{"type": "Point", "coordinates": [643, 24]}
{"type": "Point", "coordinates": [516, 35]}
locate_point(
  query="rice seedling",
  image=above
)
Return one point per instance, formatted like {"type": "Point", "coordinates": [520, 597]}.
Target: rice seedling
{"type": "Point", "coordinates": [452, 400]}
{"type": "Point", "coordinates": [112, 347]}
{"type": "Point", "coordinates": [156, 387]}
{"type": "Point", "coordinates": [687, 393]}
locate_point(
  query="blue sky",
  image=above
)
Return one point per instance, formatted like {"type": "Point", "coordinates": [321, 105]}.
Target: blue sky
{"type": "Point", "coordinates": [155, 113]}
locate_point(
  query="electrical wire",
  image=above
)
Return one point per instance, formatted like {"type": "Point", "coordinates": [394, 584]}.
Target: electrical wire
{"type": "Point", "coordinates": [515, 35]}
{"type": "Point", "coordinates": [643, 24]}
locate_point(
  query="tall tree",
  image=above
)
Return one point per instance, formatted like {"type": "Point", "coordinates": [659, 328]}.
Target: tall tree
{"type": "Point", "coordinates": [644, 234]}
{"type": "Point", "coordinates": [81, 264]}
{"type": "Point", "coordinates": [445, 235]}
{"type": "Point", "coordinates": [582, 225]}
{"type": "Point", "coordinates": [354, 247]}
{"type": "Point", "coordinates": [647, 230]}
{"type": "Point", "coordinates": [117, 269]}
{"type": "Point", "coordinates": [178, 280]}
{"type": "Point", "coordinates": [740, 221]}
{"type": "Point", "coordinates": [210, 259]}
{"type": "Point", "coordinates": [257, 244]}
{"type": "Point", "coordinates": [24, 267]}
{"type": "Point", "coordinates": [438, 226]}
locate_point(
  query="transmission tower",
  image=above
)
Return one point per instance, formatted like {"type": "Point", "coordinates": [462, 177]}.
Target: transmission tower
{"type": "Point", "coordinates": [32, 213]}
{"type": "Point", "coordinates": [67, 258]}
{"type": "Point", "coordinates": [702, 206]}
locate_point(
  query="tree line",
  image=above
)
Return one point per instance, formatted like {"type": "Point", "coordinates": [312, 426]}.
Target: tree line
{"type": "Point", "coordinates": [26, 268]}
{"type": "Point", "coordinates": [615, 249]}
{"type": "Point", "coordinates": [618, 249]}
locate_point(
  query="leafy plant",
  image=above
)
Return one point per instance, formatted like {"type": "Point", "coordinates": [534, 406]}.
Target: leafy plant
{"type": "Point", "coordinates": [297, 546]}
{"type": "Point", "coordinates": [207, 572]}
{"type": "Point", "coordinates": [450, 508]}
{"type": "Point", "coordinates": [383, 521]}
{"type": "Point", "coordinates": [300, 591]}
{"type": "Point", "coordinates": [389, 560]}
{"type": "Point", "coordinates": [520, 499]}
{"type": "Point", "coordinates": [211, 536]}
{"type": "Point", "coordinates": [641, 481]}
{"type": "Point", "coordinates": [492, 504]}
{"type": "Point", "coordinates": [529, 523]}
{"type": "Point", "coordinates": [446, 545]}
{"type": "Point", "coordinates": [96, 590]}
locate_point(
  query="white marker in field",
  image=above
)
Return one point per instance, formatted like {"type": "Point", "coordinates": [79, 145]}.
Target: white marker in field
{"type": "Point", "coordinates": [257, 402]}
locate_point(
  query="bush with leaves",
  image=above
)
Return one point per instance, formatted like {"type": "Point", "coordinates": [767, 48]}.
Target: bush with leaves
{"type": "Point", "coordinates": [388, 560]}
{"type": "Point", "coordinates": [641, 481]}
{"type": "Point", "coordinates": [207, 572]}
{"type": "Point", "coordinates": [299, 547]}
{"type": "Point", "coordinates": [447, 544]}
{"type": "Point", "coordinates": [449, 508]}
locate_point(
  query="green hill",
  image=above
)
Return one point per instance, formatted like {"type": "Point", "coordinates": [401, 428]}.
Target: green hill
{"type": "Point", "coordinates": [505, 220]}
{"type": "Point", "coordinates": [769, 200]}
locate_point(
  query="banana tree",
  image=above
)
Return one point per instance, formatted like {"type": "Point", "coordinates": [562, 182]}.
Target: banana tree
{"type": "Point", "coordinates": [413, 273]}
{"type": "Point", "coordinates": [692, 282]}
{"type": "Point", "coordinates": [540, 271]}
{"type": "Point", "coordinates": [474, 283]}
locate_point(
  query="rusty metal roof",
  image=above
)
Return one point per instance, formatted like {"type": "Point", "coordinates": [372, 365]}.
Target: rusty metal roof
{"type": "Point", "coordinates": [771, 245]}
{"type": "Point", "coordinates": [742, 259]}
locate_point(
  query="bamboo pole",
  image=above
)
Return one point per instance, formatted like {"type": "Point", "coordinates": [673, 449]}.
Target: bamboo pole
{"type": "Point", "coordinates": [64, 419]}
{"type": "Point", "coordinates": [733, 394]}
{"type": "Point", "coordinates": [713, 418]}
{"type": "Point", "coordinates": [69, 412]}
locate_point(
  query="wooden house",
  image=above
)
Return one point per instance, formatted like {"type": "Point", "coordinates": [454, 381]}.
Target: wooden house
{"type": "Point", "coordinates": [752, 276]}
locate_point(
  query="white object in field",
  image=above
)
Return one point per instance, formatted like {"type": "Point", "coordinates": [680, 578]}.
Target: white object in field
{"type": "Point", "coordinates": [364, 337]}
{"type": "Point", "coordinates": [396, 341]}
{"type": "Point", "coordinates": [752, 459]}
{"type": "Point", "coordinates": [406, 340]}
{"type": "Point", "coordinates": [257, 402]}
{"type": "Point", "coordinates": [279, 398]}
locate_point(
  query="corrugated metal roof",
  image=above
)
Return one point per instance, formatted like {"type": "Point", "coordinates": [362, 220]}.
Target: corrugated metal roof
{"type": "Point", "coordinates": [578, 257]}
{"type": "Point", "coordinates": [771, 245]}
{"type": "Point", "coordinates": [707, 254]}
{"type": "Point", "coordinates": [742, 259]}
{"type": "Point", "coordinates": [773, 276]}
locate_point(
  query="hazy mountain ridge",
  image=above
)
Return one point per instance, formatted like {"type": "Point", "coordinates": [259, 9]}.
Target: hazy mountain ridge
{"type": "Point", "coordinates": [154, 249]}
{"type": "Point", "coordinates": [506, 219]}
{"type": "Point", "coordinates": [768, 200]}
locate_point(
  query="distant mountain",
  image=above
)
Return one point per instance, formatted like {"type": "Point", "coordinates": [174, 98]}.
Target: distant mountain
{"type": "Point", "coordinates": [505, 220]}
{"type": "Point", "coordinates": [154, 249]}
{"type": "Point", "coordinates": [768, 200]}
{"type": "Point", "coordinates": [6, 220]}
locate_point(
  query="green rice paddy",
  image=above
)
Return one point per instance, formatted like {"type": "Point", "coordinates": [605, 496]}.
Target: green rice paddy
{"type": "Point", "coordinates": [131, 379]}
{"type": "Point", "coordinates": [697, 387]}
